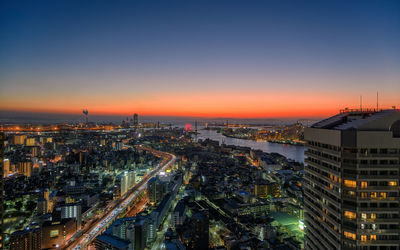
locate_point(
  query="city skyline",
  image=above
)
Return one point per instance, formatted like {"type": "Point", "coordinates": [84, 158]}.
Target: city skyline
{"type": "Point", "coordinates": [214, 59]}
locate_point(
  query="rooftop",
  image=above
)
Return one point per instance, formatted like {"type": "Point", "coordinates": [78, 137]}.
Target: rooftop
{"type": "Point", "coordinates": [368, 120]}
{"type": "Point", "coordinates": [114, 241]}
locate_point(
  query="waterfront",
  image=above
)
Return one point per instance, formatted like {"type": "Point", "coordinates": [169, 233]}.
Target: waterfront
{"type": "Point", "coordinates": [293, 152]}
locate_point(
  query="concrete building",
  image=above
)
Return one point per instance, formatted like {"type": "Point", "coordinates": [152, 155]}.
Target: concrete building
{"type": "Point", "coordinates": [42, 207]}
{"type": "Point", "coordinates": [55, 233]}
{"type": "Point", "coordinates": [178, 216]}
{"type": "Point", "coordinates": [26, 239]}
{"type": "Point", "coordinates": [19, 139]}
{"type": "Point", "coordinates": [156, 189]}
{"type": "Point", "coordinates": [71, 210]}
{"type": "Point", "coordinates": [351, 186]}
{"type": "Point", "coordinates": [107, 242]}
{"type": "Point", "coordinates": [25, 168]}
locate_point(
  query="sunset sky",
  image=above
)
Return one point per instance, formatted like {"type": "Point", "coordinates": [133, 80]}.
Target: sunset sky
{"type": "Point", "coordinates": [199, 58]}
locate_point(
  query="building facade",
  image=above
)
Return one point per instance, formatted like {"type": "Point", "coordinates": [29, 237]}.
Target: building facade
{"type": "Point", "coordinates": [351, 187]}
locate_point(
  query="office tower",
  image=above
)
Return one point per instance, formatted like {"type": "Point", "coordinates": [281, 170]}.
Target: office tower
{"type": "Point", "coordinates": [352, 181]}
{"type": "Point", "coordinates": [118, 146]}
{"type": "Point", "coordinates": [140, 233]}
{"type": "Point", "coordinates": [6, 167]}
{"type": "Point", "coordinates": [25, 168]}
{"type": "Point", "coordinates": [26, 239]}
{"type": "Point", "coordinates": [156, 189]}
{"type": "Point", "coordinates": [69, 211]}
{"type": "Point", "coordinates": [135, 119]}
{"type": "Point", "coordinates": [264, 188]}
{"type": "Point", "coordinates": [19, 139]}
{"type": "Point", "coordinates": [124, 184]}
{"type": "Point", "coordinates": [200, 224]}
{"type": "Point", "coordinates": [178, 216]}
{"type": "Point", "coordinates": [42, 206]}
{"type": "Point", "coordinates": [30, 142]}
{"type": "Point", "coordinates": [120, 227]}
{"type": "Point", "coordinates": [57, 232]}
{"type": "Point", "coordinates": [107, 242]}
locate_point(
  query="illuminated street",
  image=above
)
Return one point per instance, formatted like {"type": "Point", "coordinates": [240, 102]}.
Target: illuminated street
{"type": "Point", "coordinates": [84, 239]}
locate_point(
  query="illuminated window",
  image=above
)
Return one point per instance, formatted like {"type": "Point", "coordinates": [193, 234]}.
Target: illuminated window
{"type": "Point", "coordinates": [350, 215]}
{"type": "Point", "coordinates": [372, 237]}
{"type": "Point", "coordinates": [373, 194]}
{"type": "Point", "coordinates": [373, 216]}
{"type": "Point", "coordinates": [392, 183]}
{"type": "Point", "coordinates": [330, 186]}
{"type": "Point", "coordinates": [364, 184]}
{"type": "Point", "coordinates": [349, 235]}
{"type": "Point", "coordinates": [364, 216]}
{"type": "Point", "coordinates": [383, 195]}
{"type": "Point", "coordinates": [350, 183]}
{"type": "Point", "coordinates": [363, 238]}
{"type": "Point", "coordinates": [364, 195]}
{"type": "Point", "coordinates": [53, 233]}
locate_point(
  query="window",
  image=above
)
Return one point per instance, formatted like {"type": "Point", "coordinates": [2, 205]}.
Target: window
{"type": "Point", "coordinates": [372, 237]}
{"type": "Point", "coordinates": [350, 183]}
{"type": "Point", "coordinates": [392, 183]}
{"type": "Point", "coordinates": [383, 195]}
{"type": "Point", "coordinates": [364, 184]}
{"type": "Point", "coordinates": [349, 235]}
{"type": "Point", "coordinates": [373, 194]}
{"type": "Point", "coordinates": [53, 233]}
{"type": "Point", "coordinates": [373, 216]}
{"type": "Point", "coordinates": [364, 216]}
{"type": "Point", "coordinates": [364, 195]}
{"type": "Point", "coordinates": [363, 238]}
{"type": "Point", "coordinates": [350, 215]}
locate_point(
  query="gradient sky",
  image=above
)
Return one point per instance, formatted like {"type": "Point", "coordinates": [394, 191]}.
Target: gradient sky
{"type": "Point", "coordinates": [199, 58]}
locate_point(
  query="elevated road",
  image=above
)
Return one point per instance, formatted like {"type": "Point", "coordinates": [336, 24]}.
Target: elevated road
{"type": "Point", "coordinates": [83, 238]}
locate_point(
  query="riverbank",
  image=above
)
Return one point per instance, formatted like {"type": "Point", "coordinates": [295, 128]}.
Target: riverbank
{"type": "Point", "coordinates": [261, 140]}
{"type": "Point", "coordinates": [294, 152]}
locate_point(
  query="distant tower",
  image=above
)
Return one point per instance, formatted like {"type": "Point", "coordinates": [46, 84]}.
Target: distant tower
{"type": "Point", "coordinates": [86, 113]}
{"type": "Point", "coordinates": [195, 126]}
{"type": "Point", "coordinates": [135, 119]}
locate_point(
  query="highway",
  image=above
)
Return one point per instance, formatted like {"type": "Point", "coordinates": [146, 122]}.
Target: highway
{"type": "Point", "coordinates": [83, 238]}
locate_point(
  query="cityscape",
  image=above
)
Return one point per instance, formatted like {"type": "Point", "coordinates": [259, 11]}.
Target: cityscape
{"type": "Point", "coordinates": [178, 125]}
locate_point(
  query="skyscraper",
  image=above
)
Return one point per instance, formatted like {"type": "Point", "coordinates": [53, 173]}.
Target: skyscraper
{"type": "Point", "coordinates": [200, 223]}
{"type": "Point", "coordinates": [135, 119]}
{"type": "Point", "coordinates": [156, 189]}
{"type": "Point", "coordinates": [352, 181]}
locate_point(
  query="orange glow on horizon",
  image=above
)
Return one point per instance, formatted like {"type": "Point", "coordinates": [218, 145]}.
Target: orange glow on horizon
{"type": "Point", "coordinates": [223, 104]}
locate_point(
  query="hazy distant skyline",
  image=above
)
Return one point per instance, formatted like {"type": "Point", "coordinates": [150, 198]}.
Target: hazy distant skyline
{"type": "Point", "coordinates": [273, 59]}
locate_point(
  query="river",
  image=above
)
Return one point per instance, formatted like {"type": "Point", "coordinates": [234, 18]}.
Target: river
{"type": "Point", "coordinates": [293, 152]}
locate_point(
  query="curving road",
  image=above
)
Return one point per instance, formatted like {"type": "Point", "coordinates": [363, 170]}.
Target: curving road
{"type": "Point", "coordinates": [85, 236]}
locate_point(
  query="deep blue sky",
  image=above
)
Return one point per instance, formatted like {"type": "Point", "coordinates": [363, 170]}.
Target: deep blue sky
{"type": "Point", "coordinates": [63, 55]}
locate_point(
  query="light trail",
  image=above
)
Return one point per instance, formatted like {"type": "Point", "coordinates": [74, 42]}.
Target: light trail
{"type": "Point", "coordinates": [82, 240]}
